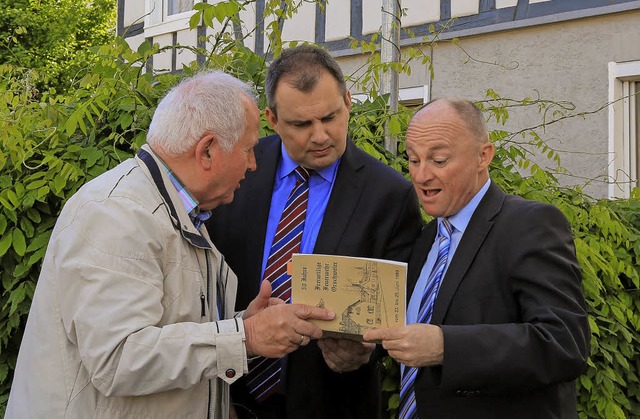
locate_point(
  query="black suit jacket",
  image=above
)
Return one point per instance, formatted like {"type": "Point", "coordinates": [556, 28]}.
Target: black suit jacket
{"type": "Point", "coordinates": [372, 212]}
{"type": "Point", "coordinates": [513, 316]}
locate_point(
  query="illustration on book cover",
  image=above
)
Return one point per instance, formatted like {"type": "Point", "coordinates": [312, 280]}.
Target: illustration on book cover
{"type": "Point", "coordinates": [364, 293]}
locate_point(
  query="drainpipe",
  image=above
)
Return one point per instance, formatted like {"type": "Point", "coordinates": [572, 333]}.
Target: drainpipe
{"type": "Point", "coordinates": [390, 52]}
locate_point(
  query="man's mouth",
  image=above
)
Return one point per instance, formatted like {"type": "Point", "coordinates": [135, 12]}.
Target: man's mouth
{"type": "Point", "coordinates": [430, 193]}
{"type": "Point", "coordinates": [320, 151]}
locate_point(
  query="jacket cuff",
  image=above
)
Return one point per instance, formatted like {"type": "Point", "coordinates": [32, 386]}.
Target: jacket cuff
{"type": "Point", "coordinates": [231, 350]}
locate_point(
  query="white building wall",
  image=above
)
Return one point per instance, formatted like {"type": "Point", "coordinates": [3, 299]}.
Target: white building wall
{"type": "Point", "coordinates": [133, 12]}
{"type": "Point", "coordinates": [162, 61]}
{"type": "Point", "coordinates": [302, 26]}
{"type": "Point", "coordinates": [248, 18]}
{"type": "Point", "coordinates": [135, 41]}
{"type": "Point", "coordinates": [338, 20]}
{"type": "Point", "coordinates": [419, 12]}
{"type": "Point", "coordinates": [501, 4]}
{"type": "Point", "coordinates": [461, 8]}
{"type": "Point", "coordinates": [561, 62]}
{"type": "Point", "coordinates": [185, 56]}
{"type": "Point", "coordinates": [371, 16]}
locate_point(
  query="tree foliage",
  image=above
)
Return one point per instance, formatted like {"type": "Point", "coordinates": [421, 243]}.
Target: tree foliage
{"type": "Point", "coordinates": [53, 143]}
{"type": "Point", "coordinates": [54, 37]}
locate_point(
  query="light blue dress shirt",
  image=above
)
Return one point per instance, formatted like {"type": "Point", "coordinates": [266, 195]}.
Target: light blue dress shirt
{"type": "Point", "coordinates": [459, 221]}
{"type": "Point", "coordinates": [320, 187]}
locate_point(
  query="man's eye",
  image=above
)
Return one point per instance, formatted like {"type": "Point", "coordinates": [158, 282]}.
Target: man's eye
{"type": "Point", "coordinates": [328, 118]}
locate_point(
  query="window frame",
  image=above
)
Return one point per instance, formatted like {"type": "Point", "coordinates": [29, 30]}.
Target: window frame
{"type": "Point", "coordinates": [407, 96]}
{"type": "Point", "coordinates": [624, 138]}
{"type": "Point", "coordinates": [158, 22]}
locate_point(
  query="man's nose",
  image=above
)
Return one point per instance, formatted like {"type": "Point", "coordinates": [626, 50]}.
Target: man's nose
{"type": "Point", "coordinates": [422, 174]}
{"type": "Point", "coordinates": [319, 134]}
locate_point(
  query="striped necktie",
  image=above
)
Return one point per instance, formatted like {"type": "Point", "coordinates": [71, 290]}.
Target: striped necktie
{"type": "Point", "coordinates": [263, 378]}
{"type": "Point", "coordinates": [407, 408]}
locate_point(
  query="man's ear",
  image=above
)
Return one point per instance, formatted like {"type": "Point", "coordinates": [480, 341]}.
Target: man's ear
{"type": "Point", "coordinates": [272, 118]}
{"type": "Point", "coordinates": [347, 100]}
{"type": "Point", "coordinates": [487, 151]}
{"type": "Point", "coordinates": [204, 151]}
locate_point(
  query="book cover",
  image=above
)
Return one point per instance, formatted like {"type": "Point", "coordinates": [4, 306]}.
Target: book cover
{"type": "Point", "coordinates": [364, 293]}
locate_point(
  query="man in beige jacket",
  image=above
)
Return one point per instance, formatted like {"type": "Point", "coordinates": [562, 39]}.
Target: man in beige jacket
{"type": "Point", "coordinates": [133, 312]}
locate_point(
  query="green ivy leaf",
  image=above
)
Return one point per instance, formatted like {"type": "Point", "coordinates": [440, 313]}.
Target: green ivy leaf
{"type": "Point", "coordinates": [5, 243]}
{"type": "Point", "coordinates": [16, 297]}
{"type": "Point", "coordinates": [33, 214]}
{"type": "Point", "coordinates": [40, 241]}
{"type": "Point", "coordinates": [19, 244]}
{"type": "Point", "coordinates": [21, 269]}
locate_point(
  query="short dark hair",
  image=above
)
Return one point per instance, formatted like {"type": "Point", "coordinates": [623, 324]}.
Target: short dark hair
{"type": "Point", "coordinates": [302, 66]}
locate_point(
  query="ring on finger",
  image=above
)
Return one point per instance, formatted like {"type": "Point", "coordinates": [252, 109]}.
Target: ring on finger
{"type": "Point", "coordinates": [301, 340]}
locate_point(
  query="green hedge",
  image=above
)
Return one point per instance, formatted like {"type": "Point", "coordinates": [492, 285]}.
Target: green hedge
{"type": "Point", "coordinates": [52, 144]}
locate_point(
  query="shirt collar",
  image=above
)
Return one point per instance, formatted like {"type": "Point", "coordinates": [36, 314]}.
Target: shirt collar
{"type": "Point", "coordinates": [190, 203]}
{"type": "Point", "coordinates": [460, 220]}
{"type": "Point", "coordinates": [287, 165]}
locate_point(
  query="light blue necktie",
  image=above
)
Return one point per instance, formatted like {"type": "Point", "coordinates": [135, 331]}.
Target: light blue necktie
{"type": "Point", "coordinates": [407, 406]}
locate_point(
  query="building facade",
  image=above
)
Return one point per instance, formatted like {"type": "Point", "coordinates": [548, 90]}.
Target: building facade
{"type": "Point", "coordinates": [583, 55]}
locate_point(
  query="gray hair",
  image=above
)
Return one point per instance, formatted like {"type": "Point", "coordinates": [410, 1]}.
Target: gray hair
{"type": "Point", "coordinates": [210, 102]}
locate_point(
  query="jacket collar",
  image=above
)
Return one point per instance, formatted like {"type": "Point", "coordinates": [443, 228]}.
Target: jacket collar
{"type": "Point", "coordinates": [181, 221]}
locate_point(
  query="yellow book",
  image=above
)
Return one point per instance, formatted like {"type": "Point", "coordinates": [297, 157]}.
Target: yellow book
{"type": "Point", "coordinates": [364, 293]}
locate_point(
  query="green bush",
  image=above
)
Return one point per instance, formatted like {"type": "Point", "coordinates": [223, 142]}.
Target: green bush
{"type": "Point", "coordinates": [54, 37]}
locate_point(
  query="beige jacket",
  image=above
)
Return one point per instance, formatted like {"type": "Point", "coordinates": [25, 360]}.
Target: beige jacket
{"type": "Point", "coordinates": [122, 322]}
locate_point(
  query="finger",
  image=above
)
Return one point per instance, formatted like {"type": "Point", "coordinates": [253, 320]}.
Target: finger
{"type": "Point", "coordinates": [306, 312]}
{"type": "Point", "coordinates": [368, 346]}
{"type": "Point", "coordinates": [327, 344]}
{"type": "Point", "coordinates": [265, 292]}
{"type": "Point", "coordinates": [349, 345]}
{"type": "Point", "coordinates": [273, 301]}
{"type": "Point", "coordinates": [375, 334]}
{"type": "Point", "coordinates": [308, 329]}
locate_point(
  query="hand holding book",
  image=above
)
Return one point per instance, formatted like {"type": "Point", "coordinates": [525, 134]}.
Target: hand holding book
{"type": "Point", "coordinates": [364, 293]}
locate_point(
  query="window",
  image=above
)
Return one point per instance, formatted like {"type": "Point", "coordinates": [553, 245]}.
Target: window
{"type": "Point", "coordinates": [410, 97]}
{"type": "Point", "coordinates": [624, 128]}
{"type": "Point", "coordinates": [178, 6]}
{"type": "Point", "coordinates": [167, 16]}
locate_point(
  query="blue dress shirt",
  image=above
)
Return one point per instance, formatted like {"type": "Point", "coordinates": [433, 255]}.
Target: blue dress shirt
{"type": "Point", "coordinates": [320, 186]}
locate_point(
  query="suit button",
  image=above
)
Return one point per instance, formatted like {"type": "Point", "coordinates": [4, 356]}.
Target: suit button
{"type": "Point", "coordinates": [230, 373]}
{"type": "Point", "coordinates": [461, 393]}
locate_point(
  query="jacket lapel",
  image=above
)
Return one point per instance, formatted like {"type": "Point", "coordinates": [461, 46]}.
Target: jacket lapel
{"type": "Point", "coordinates": [260, 189]}
{"type": "Point", "coordinates": [419, 255]}
{"type": "Point", "coordinates": [342, 203]}
{"type": "Point", "coordinates": [479, 226]}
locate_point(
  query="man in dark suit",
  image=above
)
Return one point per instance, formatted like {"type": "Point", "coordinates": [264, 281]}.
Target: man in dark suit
{"type": "Point", "coordinates": [357, 206]}
{"type": "Point", "coordinates": [506, 334]}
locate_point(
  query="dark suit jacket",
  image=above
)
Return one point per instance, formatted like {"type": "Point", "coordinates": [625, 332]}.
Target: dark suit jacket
{"type": "Point", "coordinates": [372, 212]}
{"type": "Point", "coordinates": [513, 315]}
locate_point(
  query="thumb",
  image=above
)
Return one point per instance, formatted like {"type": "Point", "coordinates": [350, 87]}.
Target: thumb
{"type": "Point", "coordinates": [261, 301]}
{"type": "Point", "coordinates": [265, 293]}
